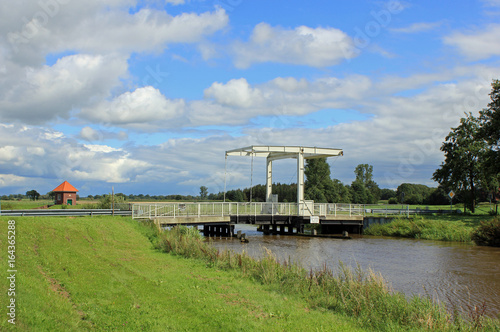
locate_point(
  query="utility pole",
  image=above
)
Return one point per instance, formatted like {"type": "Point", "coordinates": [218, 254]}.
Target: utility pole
{"type": "Point", "coordinates": [113, 201]}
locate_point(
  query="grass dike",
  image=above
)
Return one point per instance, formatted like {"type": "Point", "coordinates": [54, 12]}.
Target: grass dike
{"type": "Point", "coordinates": [105, 273]}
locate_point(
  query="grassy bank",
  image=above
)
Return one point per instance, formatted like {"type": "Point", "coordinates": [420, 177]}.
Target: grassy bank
{"type": "Point", "coordinates": [447, 227]}
{"type": "Point", "coordinates": [363, 295]}
{"type": "Point", "coordinates": [101, 273]}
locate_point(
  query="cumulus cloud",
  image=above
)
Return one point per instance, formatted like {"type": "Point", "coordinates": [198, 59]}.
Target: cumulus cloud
{"type": "Point", "coordinates": [40, 95]}
{"type": "Point", "coordinates": [35, 29]}
{"type": "Point", "coordinates": [317, 47]}
{"type": "Point", "coordinates": [33, 153]}
{"type": "Point", "coordinates": [236, 93]}
{"type": "Point", "coordinates": [477, 45]}
{"type": "Point", "coordinates": [138, 109]}
{"type": "Point", "coordinates": [92, 41]}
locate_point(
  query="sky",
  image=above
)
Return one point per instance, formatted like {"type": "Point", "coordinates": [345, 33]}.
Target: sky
{"type": "Point", "coordinates": [146, 96]}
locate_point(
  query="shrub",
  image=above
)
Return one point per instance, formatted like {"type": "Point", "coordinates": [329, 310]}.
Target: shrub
{"type": "Point", "coordinates": [488, 233]}
{"type": "Point", "coordinates": [393, 200]}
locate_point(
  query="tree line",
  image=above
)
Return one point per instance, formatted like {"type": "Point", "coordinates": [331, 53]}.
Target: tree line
{"type": "Point", "coordinates": [321, 188]}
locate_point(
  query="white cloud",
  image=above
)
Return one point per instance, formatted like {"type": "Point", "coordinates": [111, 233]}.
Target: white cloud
{"type": "Point", "coordinates": [477, 45]}
{"type": "Point", "coordinates": [140, 109]}
{"type": "Point", "coordinates": [34, 30]}
{"type": "Point", "coordinates": [41, 95]}
{"type": "Point", "coordinates": [11, 180]}
{"type": "Point", "coordinates": [33, 153]}
{"type": "Point", "coordinates": [418, 27]}
{"type": "Point", "coordinates": [319, 47]}
{"type": "Point", "coordinates": [92, 135]}
{"type": "Point", "coordinates": [236, 93]}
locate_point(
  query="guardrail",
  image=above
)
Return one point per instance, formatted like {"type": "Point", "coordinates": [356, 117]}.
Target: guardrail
{"type": "Point", "coordinates": [63, 212]}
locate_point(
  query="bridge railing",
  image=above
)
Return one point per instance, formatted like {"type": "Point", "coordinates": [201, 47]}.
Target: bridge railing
{"type": "Point", "coordinates": [208, 209]}
{"type": "Point", "coordinates": [180, 210]}
{"type": "Point", "coordinates": [335, 209]}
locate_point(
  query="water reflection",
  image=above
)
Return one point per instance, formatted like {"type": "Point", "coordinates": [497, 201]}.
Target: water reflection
{"type": "Point", "coordinates": [453, 273]}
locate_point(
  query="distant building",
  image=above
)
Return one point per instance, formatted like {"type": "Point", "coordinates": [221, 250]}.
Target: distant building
{"type": "Point", "coordinates": [65, 194]}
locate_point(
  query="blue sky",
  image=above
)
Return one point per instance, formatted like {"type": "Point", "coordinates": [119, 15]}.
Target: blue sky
{"type": "Point", "coordinates": [146, 96]}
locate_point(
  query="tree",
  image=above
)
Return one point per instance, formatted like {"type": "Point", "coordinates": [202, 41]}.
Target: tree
{"type": "Point", "coordinates": [490, 132]}
{"type": "Point", "coordinates": [359, 193]}
{"type": "Point", "coordinates": [339, 193]}
{"type": "Point", "coordinates": [203, 192]}
{"type": "Point", "coordinates": [463, 167]}
{"type": "Point", "coordinates": [369, 192]}
{"type": "Point", "coordinates": [413, 193]}
{"type": "Point", "coordinates": [318, 182]}
{"type": "Point", "coordinates": [387, 194]}
{"type": "Point", "coordinates": [33, 195]}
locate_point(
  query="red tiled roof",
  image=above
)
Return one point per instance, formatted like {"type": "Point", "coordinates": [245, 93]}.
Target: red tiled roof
{"type": "Point", "coordinates": [65, 186]}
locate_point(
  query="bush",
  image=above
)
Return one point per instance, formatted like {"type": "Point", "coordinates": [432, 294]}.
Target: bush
{"type": "Point", "coordinates": [393, 200]}
{"type": "Point", "coordinates": [488, 233]}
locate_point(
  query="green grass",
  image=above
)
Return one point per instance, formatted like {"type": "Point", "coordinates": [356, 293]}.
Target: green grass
{"type": "Point", "coordinates": [482, 209]}
{"type": "Point", "coordinates": [445, 227]}
{"type": "Point", "coordinates": [103, 274]}
{"type": "Point", "coordinates": [354, 293]}
{"type": "Point", "coordinates": [24, 204]}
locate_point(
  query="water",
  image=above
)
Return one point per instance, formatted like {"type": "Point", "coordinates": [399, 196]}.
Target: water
{"type": "Point", "coordinates": [452, 273]}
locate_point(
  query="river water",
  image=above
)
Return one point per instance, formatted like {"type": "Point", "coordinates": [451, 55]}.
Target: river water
{"type": "Point", "coordinates": [452, 273]}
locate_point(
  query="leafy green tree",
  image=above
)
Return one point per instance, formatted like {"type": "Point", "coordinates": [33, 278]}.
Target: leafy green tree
{"type": "Point", "coordinates": [413, 193]}
{"type": "Point", "coordinates": [33, 195]}
{"type": "Point", "coordinates": [359, 193]}
{"type": "Point", "coordinates": [340, 193]}
{"type": "Point", "coordinates": [490, 132]}
{"type": "Point", "coordinates": [463, 167]}
{"type": "Point", "coordinates": [368, 190]}
{"type": "Point", "coordinates": [203, 192]}
{"type": "Point", "coordinates": [318, 185]}
{"type": "Point", "coordinates": [387, 194]}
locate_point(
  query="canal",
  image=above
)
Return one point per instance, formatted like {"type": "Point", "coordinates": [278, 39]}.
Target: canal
{"type": "Point", "coordinates": [452, 273]}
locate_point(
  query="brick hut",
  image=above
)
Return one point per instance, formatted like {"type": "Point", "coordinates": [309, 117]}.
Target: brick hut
{"type": "Point", "coordinates": [65, 194]}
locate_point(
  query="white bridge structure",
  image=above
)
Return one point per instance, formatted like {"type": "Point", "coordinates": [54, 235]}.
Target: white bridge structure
{"type": "Point", "coordinates": [270, 213]}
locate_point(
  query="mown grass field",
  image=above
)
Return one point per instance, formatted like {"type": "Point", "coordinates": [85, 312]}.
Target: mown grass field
{"type": "Point", "coordinates": [100, 273]}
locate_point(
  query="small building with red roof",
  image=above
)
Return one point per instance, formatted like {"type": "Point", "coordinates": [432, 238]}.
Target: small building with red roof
{"type": "Point", "coordinates": [65, 194]}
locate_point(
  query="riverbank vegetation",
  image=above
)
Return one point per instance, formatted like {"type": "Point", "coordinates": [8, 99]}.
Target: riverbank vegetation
{"type": "Point", "coordinates": [480, 229]}
{"type": "Point", "coordinates": [425, 228]}
{"type": "Point", "coordinates": [488, 233]}
{"type": "Point", "coordinates": [363, 295]}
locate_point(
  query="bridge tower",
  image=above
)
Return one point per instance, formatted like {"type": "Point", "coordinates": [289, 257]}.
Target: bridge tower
{"type": "Point", "coordinates": [273, 153]}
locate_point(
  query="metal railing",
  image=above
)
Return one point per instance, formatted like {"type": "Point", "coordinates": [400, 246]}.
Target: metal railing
{"type": "Point", "coordinates": [180, 210]}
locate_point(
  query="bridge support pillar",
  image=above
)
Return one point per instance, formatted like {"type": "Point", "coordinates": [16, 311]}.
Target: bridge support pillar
{"type": "Point", "coordinates": [218, 230]}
